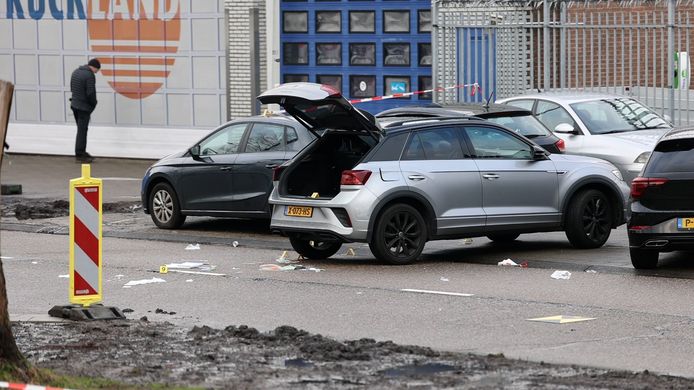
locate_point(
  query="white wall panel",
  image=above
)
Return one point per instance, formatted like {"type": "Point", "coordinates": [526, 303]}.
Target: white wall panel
{"type": "Point", "coordinates": [52, 106]}
{"type": "Point", "coordinates": [26, 68]}
{"type": "Point", "coordinates": [24, 34]}
{"type": "Point", "coordinates": [5, 33]}
{"type": "Point", "coordinates": [206, 110]}
{"type": "Point", "coordinates": [180, 110]}
{"type": "Point", "coordinates": [6, 67]}
{"type": "Point", "coordinates": [154, 110]}
{"type": "Point", "coordinates": [50, 35]}
{"type": "Point", "coordinates": [50, 71]}
{"type": "Point", "coordinates": [205, 72]}
{"type": "Point", "coordinates": [27, 104]}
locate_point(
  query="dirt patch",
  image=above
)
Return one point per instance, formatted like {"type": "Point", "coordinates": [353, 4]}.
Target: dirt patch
{"type": "Point", "coordinates": [23, 208]}
{"type": "Point", "coordinates": [140, 352]}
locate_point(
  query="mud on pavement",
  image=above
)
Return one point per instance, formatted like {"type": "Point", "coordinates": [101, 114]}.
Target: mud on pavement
{"type": "Point", "coordinates": [140, 352]}
{"type": "Point", "coordinates": [25, 208]}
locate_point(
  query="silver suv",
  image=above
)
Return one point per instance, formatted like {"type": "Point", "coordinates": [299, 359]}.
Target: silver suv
{"type": "Point", "coordinates": [432, 179]}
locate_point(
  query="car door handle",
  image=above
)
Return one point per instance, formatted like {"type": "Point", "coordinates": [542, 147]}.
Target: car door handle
{"type": "Point", "coordinates": [225, 169]}
{"type": "Point", "coordinates": [271, 166]}
{"type": "Point", "coordinates": [490, 176]}
{"type": "Point", "coordinates": [416, 177]}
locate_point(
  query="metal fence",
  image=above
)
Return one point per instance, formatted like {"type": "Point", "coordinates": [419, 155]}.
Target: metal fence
{"type": "Point", "coordinates": [635, 48]}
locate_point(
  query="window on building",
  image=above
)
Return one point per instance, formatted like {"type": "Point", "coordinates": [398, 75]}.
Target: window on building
{"type": "Point", "coordinates": [295, 78]}
{"type": "Point", "coordinates": [295, 53]}
{"type": "Point", "coordinates": [362, 21]}
{"type": "Point", "coordinates": [328, 54]}
{"type": "Point", "coordinates": [295, 21]}
{"type": "Point", "coordinates": [362, 54]}
{"type": "Point", "coordinates": [424, 84]}
{"type": "Point", "coordinates": [328, 22]}
{"type": "Point", "coordinates": [396, 84]}
{"type": "Point", "coordinates": [362, 86]}
{"type": "Point", "coordinates": [396, 21]}
{"type": "Point", "coordinates": [424, 21]}
{"type": "Point", "coordinates": [424, 54]}
{"type": "Point", "coordinates": [334, 81]}
{"type": "Point", "coordinates": [396, 54]}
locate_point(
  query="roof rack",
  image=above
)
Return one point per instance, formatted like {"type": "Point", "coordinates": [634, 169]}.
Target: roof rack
{"type": "Point", "coordinates": [427, 119]}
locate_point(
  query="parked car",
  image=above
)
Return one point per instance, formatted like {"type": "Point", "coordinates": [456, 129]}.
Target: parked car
{"type": "Point", "coordinates": [226, 174]}
{"type": "Point", "coordinates": [662, 201]}
{"type": "Point", "coordinates": [423, 180]}
{"type": "Point", "coordinates": [517, 119]}
{"type": "Point", "coordinates": [618, 129]}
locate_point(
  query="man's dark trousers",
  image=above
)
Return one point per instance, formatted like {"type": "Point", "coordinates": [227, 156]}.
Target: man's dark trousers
{"type": "Point", "coordinates": [82, 119]}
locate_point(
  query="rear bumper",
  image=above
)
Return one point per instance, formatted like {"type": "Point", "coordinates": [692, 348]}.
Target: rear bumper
{"type": "Point", "coordinates": [661, 242]}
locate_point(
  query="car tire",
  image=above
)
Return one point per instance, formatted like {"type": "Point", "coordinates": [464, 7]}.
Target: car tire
{"type": "Point", "coordinates": [399, 236]}
{"type": "Point", "coordinates": [589, 219]}
{"type": "Point", "coordinates": [503, 237]}
{"type": "Point", "coordinates": [643, 258]}
{"type": "Point", "coordinates": [314, 250]}
{"type": "Point", "coordinates": [164, 207]}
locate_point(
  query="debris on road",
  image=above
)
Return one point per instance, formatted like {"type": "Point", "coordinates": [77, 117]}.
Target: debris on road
{"type": "Point", "coordinates": [561, 275]}
{"type": "Point", "coordinates": [193, 247]}
{"type": "Point", "coordinates": [467, 241]}
{"type": "Point", "coordinates": [181, 271]}
{"type": "Point", "coordinates": [350, 252]}
{"type": "Point", "coordinates": [508, 263]}
{"type": "Point", "coordinates": [289, 267]}
{"type": "Point", "coordinates": [64, 276]}
{"type": "Point", "coordinates": [561, 319]}
{"type": "Point", "coordinates": [189, 280]}
{"type": "Point", "coordinates": [591, 271]}
{"type": "Point", "coordinates": [284, 260]}
{"type": "Point", "coordinates": [235, 244]}
{"type": "Point", "coordinates": [189, 265]}
{"type": "Point", "coordinates": [444, 279]}
{"type": "Point", "coordinates": [143, 281]}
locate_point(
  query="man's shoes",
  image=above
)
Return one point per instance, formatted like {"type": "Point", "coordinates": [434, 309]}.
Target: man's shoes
{"type": "Point", "coordinates": [84, 158]}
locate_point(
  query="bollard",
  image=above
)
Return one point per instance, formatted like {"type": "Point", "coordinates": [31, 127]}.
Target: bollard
{"type": "Point", "coordinates": [85, 252]}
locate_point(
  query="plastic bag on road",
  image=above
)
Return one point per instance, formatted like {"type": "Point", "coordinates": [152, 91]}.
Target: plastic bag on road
{"type": "Point", "coordinates": [561, 275]}
{"type": "Point", "coordinates": [508, 263]}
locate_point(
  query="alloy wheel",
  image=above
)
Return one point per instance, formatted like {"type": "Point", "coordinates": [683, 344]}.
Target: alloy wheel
{"type": "Point", "coordinates": [163, 206]}
{"type": "Point", "coordinates": [596, 220]}
{"type": "Point", "coordinates": [402, 234]}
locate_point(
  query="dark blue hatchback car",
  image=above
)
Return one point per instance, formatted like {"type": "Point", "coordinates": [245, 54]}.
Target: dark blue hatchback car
{"type": "Point", "coordinates": [226, 174]}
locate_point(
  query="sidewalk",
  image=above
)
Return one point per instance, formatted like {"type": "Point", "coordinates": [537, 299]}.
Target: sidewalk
{"type": "Point", "coordinates": [43, 176]}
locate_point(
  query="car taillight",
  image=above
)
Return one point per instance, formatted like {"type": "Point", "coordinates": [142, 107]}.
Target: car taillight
{"type": "Point", "coordinates": [354, 178]}
{"type": "Point", "coordinates": [639, 185]}
{"type": "Point", "coordinates": [277, 172]}
{"type": "Point", "coordinates": [560, 145]}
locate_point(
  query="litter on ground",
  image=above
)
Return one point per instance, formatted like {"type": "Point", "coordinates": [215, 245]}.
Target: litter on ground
{"type": "Point", "coordinates": [143, 281]}
{"type": "Point", "coordinates": [235, 244]}
{"type": "Point", "coordinates": [64, 276]}
{"type": "Point", "coordinates": [350, 252]}
{"type": "Point", "coordinates": [444, 279]}
{"type": "Point", "coordinates": [561, 319]}
{"type": "Point", "coordinates": [561, 275]}
{"type": "Point", "coordinates": [284, 260]}
{"type": "Point", "coordinates": [189, 280]}
{"type": "Point", "coordinates": [289, 267]}
{"type": "Point", "coordinates": [508, 263]}
{"type": "Point", "coordinates": [181, 271]}
{"type": "Point", "coordinates": [591, 271]}
{"type": "Point", "coordinates": [193, 247]}
{"type": "Point", "coordinates": [197, 265]}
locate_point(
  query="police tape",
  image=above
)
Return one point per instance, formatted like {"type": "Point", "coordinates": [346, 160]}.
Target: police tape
{"type": "Point", "coordinates": [475, 88]}
{"type": "Point", "coordinates": [20, 386]}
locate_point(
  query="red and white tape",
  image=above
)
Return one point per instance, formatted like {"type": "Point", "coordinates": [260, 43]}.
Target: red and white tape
{"type": "Point", "coordinates": [475, 87]}
{"type": "Point", "coordinates": [20, 386]}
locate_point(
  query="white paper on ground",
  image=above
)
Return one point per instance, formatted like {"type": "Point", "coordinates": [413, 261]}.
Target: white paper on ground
{"type": "Point", "coordinates": [562, 275]}
{"type": "Point", "coordinates": [144, 281]}
{"type": "Point", "coordinates": [508, 262]}
{"type": "Point", "coordinates": [193, 247]}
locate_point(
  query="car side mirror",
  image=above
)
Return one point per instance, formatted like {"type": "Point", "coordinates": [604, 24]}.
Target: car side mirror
{"type": "Point", "coordinates": [565, 128]}
{"type": "Point", "coordinates": [195, 152]}
{"type": "Point", "coordinates": [539, 153]}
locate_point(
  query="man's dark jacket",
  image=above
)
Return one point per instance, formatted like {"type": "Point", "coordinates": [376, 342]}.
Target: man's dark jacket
{"type": "Point", "coordinates": [83, 86]}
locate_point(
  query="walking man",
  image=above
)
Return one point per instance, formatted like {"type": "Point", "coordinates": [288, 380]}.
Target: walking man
{"type": "Point", "coordinates": [83, 103]}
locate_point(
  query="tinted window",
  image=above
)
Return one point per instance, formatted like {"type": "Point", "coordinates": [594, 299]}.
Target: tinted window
{"type": "Point", "coordinates": [390, 149]}
{"type": "Point", "coordinates": [265, 137]}
{"type": "Point", "coordinates": [494, 143]}
{"type": "Point", "coordinates": [552, 115]}
{"type": "Point", "coordinates": [527, 104]}
{"type": "Point", "coordinates": [526, 125]}
{"type": "Point", "coordinates": [224, 141]}
{"type": "Point", "coordinates": [617, 115]}
{"type": "Point", "coordinates": [292, 139]}
{"type": "Point", "coordinates": [437, 144]}
{"type": "Point", "coordinates": [672, 156]}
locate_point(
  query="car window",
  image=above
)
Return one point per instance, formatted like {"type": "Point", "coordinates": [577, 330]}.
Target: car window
{"type": "Point", "coordinates": [292, 139]}
{"type": "Point", "coordinates": [617, 115]}
{"type": "Point", "coordinates": [224, 141]}
{"type": "Point", "coordinates": [552, 115]}
{"type": "Point", "coordinates": [527, 104]}
{"type": "Point", "coordinates": [495, 143]}
{"type": "Point", "coordinates": [390, 149]}
{"type": "Point", "coordinates": [265, 137]}
{"type": "Point", "coordinates": [525, 125]}
{"type": "Point", "coordinates": [672, 156]}
{"type": "Point", "coordinates": [436, 144]}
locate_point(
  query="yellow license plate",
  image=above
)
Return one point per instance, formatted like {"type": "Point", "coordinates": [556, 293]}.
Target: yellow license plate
{"type": "Point", "coordinates": [685, 223]}
{"type": "Point", "coordinates": [298, 211]}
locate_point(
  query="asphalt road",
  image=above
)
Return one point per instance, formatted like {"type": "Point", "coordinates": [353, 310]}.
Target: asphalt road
{"type": "Point", "coordinates": [641, 321]}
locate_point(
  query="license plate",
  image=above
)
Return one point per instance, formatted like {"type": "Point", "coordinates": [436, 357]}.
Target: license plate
{"type": "Point", "coordinates": [685, 223]}
{"type": "Point", "coordinates": [298, 211]}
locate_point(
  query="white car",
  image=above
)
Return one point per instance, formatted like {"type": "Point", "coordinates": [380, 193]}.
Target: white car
{"type": "Point", "coordinates": [615, 128]}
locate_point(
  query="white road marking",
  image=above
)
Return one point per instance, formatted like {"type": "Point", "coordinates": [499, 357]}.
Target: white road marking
{"type": "Point", "coordinates": [436, 292]}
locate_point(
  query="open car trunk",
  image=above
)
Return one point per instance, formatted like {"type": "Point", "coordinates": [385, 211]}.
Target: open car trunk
{"type": "Point", "coordinates": [318, 170]}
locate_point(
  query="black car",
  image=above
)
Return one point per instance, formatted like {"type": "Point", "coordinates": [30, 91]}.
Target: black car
{"type": "Point", "coordinates": [517, 119]}
{"type": "Point", "coordinates": [662, 201]}
{"type": "Point", "coordinates": [226, 174]}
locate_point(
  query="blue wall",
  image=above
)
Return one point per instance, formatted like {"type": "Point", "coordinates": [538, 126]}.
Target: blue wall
{"type": "Point", "coordinates": [301, 28]}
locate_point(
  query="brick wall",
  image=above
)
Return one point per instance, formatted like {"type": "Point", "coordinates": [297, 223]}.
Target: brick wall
{"type": "Point", "coordinates": [239, 61]}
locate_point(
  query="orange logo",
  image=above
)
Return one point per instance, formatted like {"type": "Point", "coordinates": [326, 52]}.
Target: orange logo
{"type": "Point", "coordinates": [133, 39]}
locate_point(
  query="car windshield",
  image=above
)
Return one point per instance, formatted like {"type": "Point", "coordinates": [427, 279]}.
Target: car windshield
{"type": "Point", "coordinates": [607, 116]}
{"type": "Point", "coordinates": [526, 125]}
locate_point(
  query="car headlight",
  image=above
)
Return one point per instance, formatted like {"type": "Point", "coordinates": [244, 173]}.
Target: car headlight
{"type": "Point", "coordinates": [642, 158]}
{"type": "Point", "coordinates": [617, 173]}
